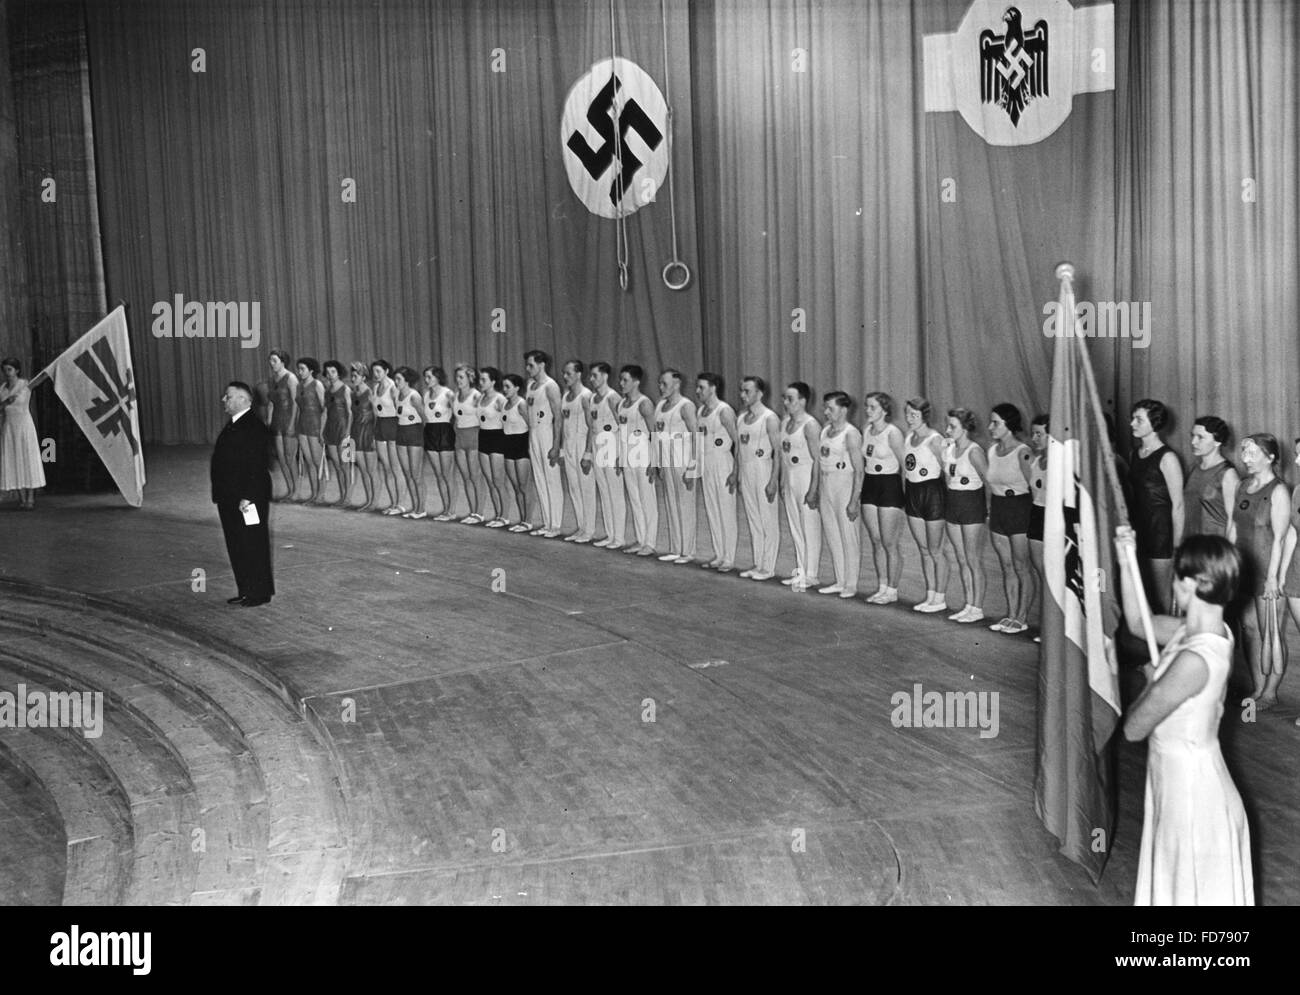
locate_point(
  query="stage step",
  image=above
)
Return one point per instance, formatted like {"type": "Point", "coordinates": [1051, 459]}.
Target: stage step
{"type": "Point", "coordinates": [229, 797]}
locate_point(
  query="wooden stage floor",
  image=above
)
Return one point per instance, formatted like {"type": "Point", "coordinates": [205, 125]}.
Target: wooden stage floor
{"type": "Point", "coordinates": [610, 729]}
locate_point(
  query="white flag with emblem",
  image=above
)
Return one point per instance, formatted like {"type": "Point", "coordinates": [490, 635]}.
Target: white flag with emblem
{"type": "Point", "coordinates": [1012, 70]}
{"type": "Point", "coordinates": [96, 382]}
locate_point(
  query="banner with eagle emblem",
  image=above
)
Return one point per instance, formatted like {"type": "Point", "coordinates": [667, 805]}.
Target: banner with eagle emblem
{"type": "Point", "coordinates": [1012, 70]}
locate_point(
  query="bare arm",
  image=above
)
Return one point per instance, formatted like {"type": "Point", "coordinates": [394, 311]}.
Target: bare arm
{"type": "Point", "coordinates": [854, 444]}
{"type": "Point", "coordinates": [728, 419]}
{"type": "Point", "coordinates": [1280, 519]}
{"type": "Point", "coordinates": [1163, 627]}
{"type": "Point", "coordinates": [1173, 474]}
{"type": "Point", "coordinates": [773, 428]}
{"type": "Point", "coordinates": [1182, 679]}
{"type": "Point", "coordinates": [812, 434]}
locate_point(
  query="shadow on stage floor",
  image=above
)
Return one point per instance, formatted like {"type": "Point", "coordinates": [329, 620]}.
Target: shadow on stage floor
{"type": "Point", "coordinates": [434, 713]}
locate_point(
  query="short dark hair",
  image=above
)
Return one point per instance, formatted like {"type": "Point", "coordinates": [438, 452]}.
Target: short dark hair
{"type": "Point", "coordinates": [335, 365]}
{"type": "Point", "coordinates": [537, 356]}
{"type": "Point", "coordinates": [578, 366]}
{"type": "Point", "coordinates": [1214, 563]}
{"type": "Point", "coordinates": [439, 374]}
{"type": "Point", "coordinates": [1157, 413]}
{"type": "Point", "coordinates": [310, 363]}
{"type": "Point", "coordinates": [800, 388]}
{"type": "Point", "coordinates": [237, 384]}
{"type": "Point", "coordinates": [407, 374]}
{"type": "Point", "coordinates": [922, 405]}
{"type": "Point", "coordinates": [966, 419]}
{"type": "Point", "coordinates": [1216, 427]}
{"type": "Point", "coordinates": [633, 371]}
{"type": "Point", "coordinates": [492, 373]}
{"type": "Point", "coordinates": [838, 397]}
{"type": "Point", "coordinates": [1043, 419]}
{"type": "Point", "coordinates": [13, 363]}
{"type": "Point", "coordinates": [675, 374]}
{"type": "Point", "coordinates": [884, 400]}
{"type": "Point", "coordinates": [515, 379]}
{"type": "Point", "coordinates": [601, 366]}
{"type": "Point", "coordinates": [282, 356]}
{"type": "Point", "coordinates": [714, 380]}
{"type": "Point", "coordinates": [1010, 416]}
{"type": "Point", "coordinates": [383, 363]}
{"type": "Point", "coordinates": [758, 382]}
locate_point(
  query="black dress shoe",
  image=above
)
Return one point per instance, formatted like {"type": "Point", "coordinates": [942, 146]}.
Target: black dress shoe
{"type": "Point", "coordinates": [238, 599]}
{"type": "Point", "coordinates": [254, 602]}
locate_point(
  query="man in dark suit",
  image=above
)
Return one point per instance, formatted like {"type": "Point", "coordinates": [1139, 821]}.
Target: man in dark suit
{"type": "Point", "coordinates": [241, 481]}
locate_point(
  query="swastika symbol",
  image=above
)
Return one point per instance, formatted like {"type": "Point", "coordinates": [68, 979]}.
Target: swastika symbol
{"type": "Point", "coordinates": [600, 115]}
{"type": "Point", "coordinates": [110, 413]}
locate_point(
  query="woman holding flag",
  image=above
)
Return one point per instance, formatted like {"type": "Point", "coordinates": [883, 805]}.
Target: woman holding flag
{"type": "Point", "coordinates": [20, 451]}
{"type": "Point", "coordinates": [1195, 840]}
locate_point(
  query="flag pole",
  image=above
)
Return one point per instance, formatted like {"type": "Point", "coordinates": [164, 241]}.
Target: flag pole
{"type": "Point", "coordinates": [1065, 273]}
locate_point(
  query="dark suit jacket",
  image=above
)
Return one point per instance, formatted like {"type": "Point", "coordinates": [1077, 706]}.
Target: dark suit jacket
{"type": "Point", "coordinates": [239, 462]}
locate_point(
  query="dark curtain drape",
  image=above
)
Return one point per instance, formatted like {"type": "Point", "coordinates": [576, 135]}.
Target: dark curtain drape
{"type": "Point", "coordinates": [63, 293]}
{"type": "Point", "coordinates": [1213, 106]}
{"type": "Point", "coordinates": [226, 185]}
{"type": "Point", "coordinates": [809, 185]}
{"type": "Point", "coordinates": [808, 161]}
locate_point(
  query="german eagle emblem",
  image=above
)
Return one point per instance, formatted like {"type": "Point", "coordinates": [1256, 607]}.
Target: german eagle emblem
{"type": "Point", "coordinates": [1013, 66]}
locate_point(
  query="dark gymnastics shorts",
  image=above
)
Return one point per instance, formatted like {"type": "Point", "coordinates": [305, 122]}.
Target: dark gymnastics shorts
{"type": "Point", "coordinates": [439, 437]}
{"type": "Point", "coordinates": [884, 490]}
{"type": "Point", "coordinates": [1037, 516]}
{"type": "Point", "coordinates": [966, 507]}
{"type": "Point", "coordinates": [517, 446]}
{"type": "Point", "coordinates": [924, 499]}
{"type": "Point", "coordinates": [1009, 514]}
{"type": "Point", "coordinates": [386, 429]}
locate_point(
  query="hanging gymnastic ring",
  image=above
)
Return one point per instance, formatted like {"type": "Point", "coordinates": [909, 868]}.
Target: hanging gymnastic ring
{"type": "Point", "coordinates": [677, 264]}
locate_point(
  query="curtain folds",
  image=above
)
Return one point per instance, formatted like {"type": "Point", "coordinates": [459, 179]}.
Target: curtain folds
{"type": "Point", "coordinates": [810, 198]}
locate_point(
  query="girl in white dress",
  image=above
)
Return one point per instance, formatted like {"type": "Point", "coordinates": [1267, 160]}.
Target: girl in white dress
{"type": "Point", "coordinates": [20, 450]}
{"type": "Point", "coordinates": [1195, 841]}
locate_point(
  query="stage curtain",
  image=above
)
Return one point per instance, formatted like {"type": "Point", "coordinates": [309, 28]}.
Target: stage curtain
{"type": "Point", "coordinates": [62, 293]}
{"type": "Point", "coordinates": [808, 160]}
{"type": "Point", "coordinates": [1010, 215]}
{"type": "Point", "coordinates": [227, 185]}
{"type": "Point", "coordinates": [1213, 113]}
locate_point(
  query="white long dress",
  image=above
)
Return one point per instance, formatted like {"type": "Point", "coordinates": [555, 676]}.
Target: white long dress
{"type": "Point", "coordinates": [20, 450]}
{"type": "Point", "coordinates": [1195, 841]}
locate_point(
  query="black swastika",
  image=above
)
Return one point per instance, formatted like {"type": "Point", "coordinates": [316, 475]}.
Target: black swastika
{"type": "Point", "coordinates": [631, 117]}
{"type": "Point", "coordinates": [111, 413]}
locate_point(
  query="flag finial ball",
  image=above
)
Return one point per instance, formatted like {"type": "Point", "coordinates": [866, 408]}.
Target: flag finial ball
{"type": "Point", "coordinates": [1065, 271]}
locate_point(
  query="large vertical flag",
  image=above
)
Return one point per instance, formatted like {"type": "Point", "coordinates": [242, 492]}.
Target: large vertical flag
{"type": "Point", "coordinates": [1078, 685]}
{"type": "Point", "coordinates": [96, 382]}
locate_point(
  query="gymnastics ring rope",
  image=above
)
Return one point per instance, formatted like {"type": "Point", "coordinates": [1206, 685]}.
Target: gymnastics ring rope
{"type": "Point", "coordinates": [675, 263]}
{"type": "Point", "coordinates": [620, 237]}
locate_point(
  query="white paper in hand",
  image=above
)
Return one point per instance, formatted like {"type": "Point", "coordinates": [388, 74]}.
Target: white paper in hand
{"type": "Point", "coordinates": [250, 515]}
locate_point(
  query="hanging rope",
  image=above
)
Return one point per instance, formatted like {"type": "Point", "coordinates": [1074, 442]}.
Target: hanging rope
{"type": "Point", "coordinates": [620, 220]}
{"type": "Point", "coordinates": [675, 264]}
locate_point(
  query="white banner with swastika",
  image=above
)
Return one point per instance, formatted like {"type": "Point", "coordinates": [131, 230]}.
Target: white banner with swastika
{"type": "Point", "coordinates": [95, 381]}
{"type": "Point", "coordinates": [1013, 71]}
{"type": "Point", "coordinates": [614, 134]}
